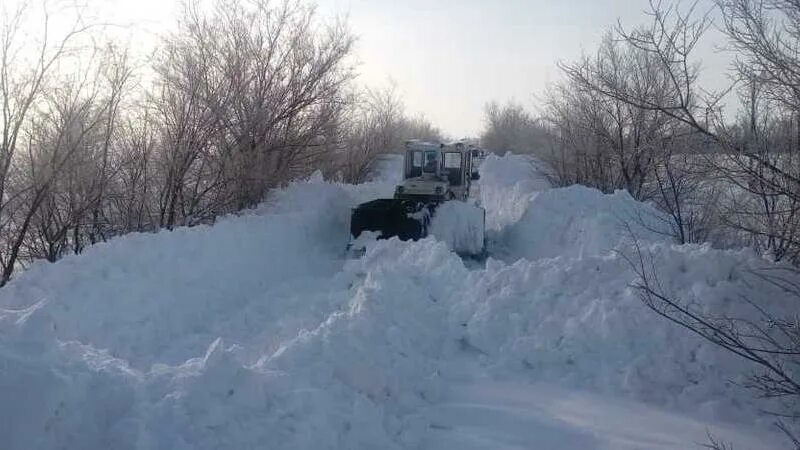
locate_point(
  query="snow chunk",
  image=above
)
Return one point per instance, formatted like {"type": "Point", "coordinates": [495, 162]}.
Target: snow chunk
{"type": "Point", "coordinates": [460, 225]}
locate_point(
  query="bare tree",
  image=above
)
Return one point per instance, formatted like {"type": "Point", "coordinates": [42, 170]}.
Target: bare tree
{"type": "Point", "coordinates": [247, 93]}
{"type": "Point", "coordinates": [621, 139]}
{"type": "Point", "coordinates": [131, 202]}
{"type": "Point", "coordinates": [23, 86]}
{"type": "Point", "coordinates": [511, 128]}
{"type": "Point", "coordinates": [189, 126]}
{"type": "Point", "coordinates": [374, 128]}
{"type": "Point", "coordinates": [685, 192]}
{"type": "Point", "coordinates": [79, 119]}
{"type": "Point", "coordinates": [419, 127]}
{"type": "Point", "coordinates": [375, 123]}
{"type": "Point", "coordinates": [245, 97]}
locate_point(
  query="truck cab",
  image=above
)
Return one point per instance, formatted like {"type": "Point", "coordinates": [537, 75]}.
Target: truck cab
{"type": "Point", "coordinates": [436, 172]}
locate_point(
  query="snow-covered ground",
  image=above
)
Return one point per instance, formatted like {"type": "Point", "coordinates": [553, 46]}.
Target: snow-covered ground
{"type": "Point", "coordinates": [258, 332]}
{"type": "Point", "coordinates": [511, 415]}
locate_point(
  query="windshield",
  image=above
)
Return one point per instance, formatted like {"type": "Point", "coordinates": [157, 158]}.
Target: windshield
{"type": "Point", "coordinates": [452, 160]}
{"type": "Point", "coordinates": [416, 160]}
{"type": "Point", "coordinates": [431, 161]}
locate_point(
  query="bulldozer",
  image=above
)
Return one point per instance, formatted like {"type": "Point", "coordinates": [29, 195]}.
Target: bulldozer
{"type": "Point", "coordinates": [433, 174]}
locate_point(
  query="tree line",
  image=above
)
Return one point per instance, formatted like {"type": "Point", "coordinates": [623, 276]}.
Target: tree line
{"type": "Point", "coordinates": [240, 98]}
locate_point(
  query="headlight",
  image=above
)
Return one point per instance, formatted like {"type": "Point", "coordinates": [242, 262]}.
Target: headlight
{"type": "Point", "coordinates": [438, 189]}
{"type": "Point", "coordinates": [399, 189]}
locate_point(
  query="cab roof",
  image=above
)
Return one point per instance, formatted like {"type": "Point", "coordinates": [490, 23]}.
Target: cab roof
{"type": "Point", "coordinates": [420, 145]}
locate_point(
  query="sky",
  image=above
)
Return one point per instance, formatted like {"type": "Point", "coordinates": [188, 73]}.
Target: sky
{"type": "Point", "coordinates": [448, 58]}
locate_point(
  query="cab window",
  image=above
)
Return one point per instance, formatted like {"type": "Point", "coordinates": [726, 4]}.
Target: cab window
{"type": "Point", "coordinates": [452, 167]}
{"type": "Point", "coordinates": [430, 162]}
{"type": "Point", "coordinates": [452, 160]}
{"type": "Point", "coordinates": [414, 164]}
{"type": "Point", "coordinates": [417, 159]}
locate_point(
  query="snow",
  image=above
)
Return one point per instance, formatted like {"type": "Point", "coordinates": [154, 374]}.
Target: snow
{"type": "Point", "coordinates": [259, 332]}
{"type": "Point", "coordinates": [577, 221]}
{"type": "Point", "coordinates": [512, 415]}
{"type": "Point", "coordinates": [388, 173]}
{"type": "Point", "coordinates": [577, 323]}
{"type": "Point", "coordinates": [507, 185]}
{"type": "Point", "coordinates": [460, 225]}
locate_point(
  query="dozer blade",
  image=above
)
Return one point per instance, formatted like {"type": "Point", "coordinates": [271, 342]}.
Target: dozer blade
{"type": "Point", "coordinates": [406, 219]}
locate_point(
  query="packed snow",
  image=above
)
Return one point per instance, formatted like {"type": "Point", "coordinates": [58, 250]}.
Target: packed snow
{"type": "Point", "coordinates": [260, 332]}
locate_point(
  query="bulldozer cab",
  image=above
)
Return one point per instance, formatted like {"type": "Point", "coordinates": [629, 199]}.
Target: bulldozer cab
{"type": "Point", "coordinates": [421, 158]}
{"type": "Point", "coordinates": [451, 163]}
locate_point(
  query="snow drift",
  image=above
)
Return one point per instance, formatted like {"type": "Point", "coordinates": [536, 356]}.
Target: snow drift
{"type": "Point", "coordinates": [507, 185]}
{"type": "Point", "coordinates": [257, 332]}
{"type": "Point", "coordinates": [577, 221]}
{"type": "Point", "coordinates": [576, 322]}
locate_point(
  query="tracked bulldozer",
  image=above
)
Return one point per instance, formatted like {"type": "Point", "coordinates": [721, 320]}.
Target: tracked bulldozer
{"type": "Point", "coordinates": [433, 174]}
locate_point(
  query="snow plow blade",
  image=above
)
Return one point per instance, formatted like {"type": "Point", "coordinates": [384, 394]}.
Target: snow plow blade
{"type": "Point", "coordinates": [406, 219]}
{"type": "Point", "coordinates": [461, 225]}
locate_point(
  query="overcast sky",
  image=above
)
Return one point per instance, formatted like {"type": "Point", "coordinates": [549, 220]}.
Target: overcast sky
{"type": "Point", "coordinates": [450, 57]}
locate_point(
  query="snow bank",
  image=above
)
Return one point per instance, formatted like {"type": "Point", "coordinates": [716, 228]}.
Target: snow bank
{"type": "Point", "coordinates": [149, 296]}
{"type": "Point", "coordinates": [527, 219]}
{"type": "Point", "coordinates": [348, 379]}
{"type": "Point", "coordinates": [507, 185]}
{"type": "Point", "coordinates": [576, 322]}
{"type": "Point", "coordinates": [93, 346]}
{"type": "Point", "coordinates": [388, 173]}
{"type": "Point", "coordinates": [381, 351]}
{"type": "Point", "coordinates": [578, 221]}
{"type": "Point", "coordinates": [394, 327]}
{"type": "Point", "coordinates": [460, 225]}
{"type": "Point", "coordinates": [511, 170]}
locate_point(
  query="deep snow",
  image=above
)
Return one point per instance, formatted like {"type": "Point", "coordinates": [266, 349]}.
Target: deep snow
{"type": "Point", "coordinates": [258, 332]}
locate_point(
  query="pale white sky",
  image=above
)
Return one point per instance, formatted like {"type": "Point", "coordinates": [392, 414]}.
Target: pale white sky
{"type": "Point", "coordinates": [450, 57]}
